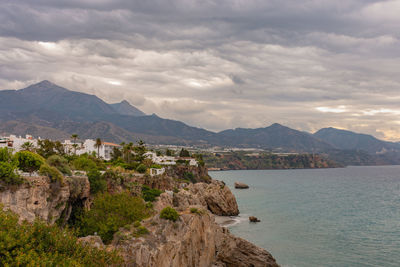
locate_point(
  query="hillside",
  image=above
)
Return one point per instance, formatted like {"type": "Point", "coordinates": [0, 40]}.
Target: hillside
{"type": "Point", "coordinates": [276, 137]}
{"type": "Point", "coordinates": [343, 139]}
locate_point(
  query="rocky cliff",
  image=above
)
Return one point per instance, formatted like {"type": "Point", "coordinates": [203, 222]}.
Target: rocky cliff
{"type": "Point", "coordinates": [38, 198]}
{"type": "Point", "coordinates": [195, 239]}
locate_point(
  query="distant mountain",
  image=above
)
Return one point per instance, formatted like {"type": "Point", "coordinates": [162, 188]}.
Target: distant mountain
{"type": "Point", "coordinates": [124, 108]}
{"type": "Point", "coordinates": [48, 105]}
{"type": "Point", "coordinates": [50, 111]}
{"type": "Point", "coordinates": [343, 139]}
{"type": "Point", "coordinates": [276, 136]}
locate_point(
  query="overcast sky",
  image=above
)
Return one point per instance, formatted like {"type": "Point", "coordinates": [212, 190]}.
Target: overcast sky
{"type": "Point", "coordinates": [217, 64]}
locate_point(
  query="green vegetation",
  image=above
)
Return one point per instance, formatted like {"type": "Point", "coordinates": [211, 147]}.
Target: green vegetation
{"type": "Point", "coordinates": [169, 213]}
{"type": "Point", "coordinates": [8, 174]}
{"type": "Point", "coordinates": [150, 194]}
{"type": "Point", "coordinates": [29, 161]}
{"type": "Point", "coordinates": [189, 176]}
{"type": "Point", "coordinates": [47, 148]}
{"type": "Point", "coordinates": [52, 172]}
{"type": "Point", "coordinates": [25, 244]}
{"type": "Point", "coordinates": [60, 163]}
{"type": "Point", "coordinates": [141, 230]}
{"type": "Point", "coordinates": [141, 168]}
{"type": "Point", "coordinates": [97, 181]}
{"type": "Point", "coordinates": [184, 153]}
{"type": "Point", "coordinates": [110, 212]}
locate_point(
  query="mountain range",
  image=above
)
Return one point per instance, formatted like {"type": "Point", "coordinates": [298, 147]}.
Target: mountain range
{"type": "Point", "coordinates": [50, 111]}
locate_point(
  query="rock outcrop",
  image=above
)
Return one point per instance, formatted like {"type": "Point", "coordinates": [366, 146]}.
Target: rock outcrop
{"type": "Point", "coordinates": [38, 198]}
{"type": "Point", "coordinates": [214, 196]}
{"type": "Point", "coordinates": [194, 240]}
{"type": "Point", "coordinates": [239, 185]}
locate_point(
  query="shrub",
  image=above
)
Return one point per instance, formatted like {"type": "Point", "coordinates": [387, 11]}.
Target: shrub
{"type": "Point", "coordinates": [141, 230]}
{"type": "Point", "coordinates": [194, 210]}
{"type": "Point", "coordinates": [84, 163]}
{"type": "Point", "coordinates": [29, 161]}
{"type": "Point", "coordinates": [26, 244]}
{"type": "Point", "coordinates": [5, 155]}
{"type": "Point", "coordinates": [136, 224]}
{"type": "Point", "coordinates": [189, 176]}
{"type": "Point", "coordinates": [141, 168]}
{"type": "Point", "coordinates": [60, 163]}
{"type": "Point", "coordinates": [150, 194]}
{"type": "Point", "coordinates": [169, 213]}
{"type": "Point", "coordinates": [52, 172]}
{"type": "Point", "coordinates": [9, 175]}
{"type": "Point", "coordinates": [97, 181]}
{"type": "Point", "coordinates": [110, 212]}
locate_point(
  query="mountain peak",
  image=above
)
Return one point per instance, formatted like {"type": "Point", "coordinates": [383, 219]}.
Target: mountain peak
{"type": "Point", "coordinates": [44, 85]}
{"type": "Point", "coordinates": [125, 108]}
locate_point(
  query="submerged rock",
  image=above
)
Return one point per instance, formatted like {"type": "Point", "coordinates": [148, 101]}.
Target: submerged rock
{"type": "Point", "coordinates": [239, 185]}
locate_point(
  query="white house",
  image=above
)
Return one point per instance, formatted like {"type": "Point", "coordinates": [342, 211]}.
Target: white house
{"type": "Point", "coordinates": [155, 171]}
{"type": "Point", "coordinates": [15, 142]}
{"type": "Point", "coordinates": [89, 146]}
{"type": "Point", "coordinates": [161, 160]}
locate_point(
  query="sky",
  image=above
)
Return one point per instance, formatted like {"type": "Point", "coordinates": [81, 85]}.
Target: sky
{"type": "Point", "coordinates": [217, 64]}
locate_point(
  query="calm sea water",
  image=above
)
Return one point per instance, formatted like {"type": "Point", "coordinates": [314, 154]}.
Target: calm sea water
{"type": "Point", "coordinates": [321, 217]}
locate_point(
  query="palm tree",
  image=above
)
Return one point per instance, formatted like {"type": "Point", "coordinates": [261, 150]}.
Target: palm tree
{"type": "Point", "coordinates": [98, 145]}
{"type": "Point", "coordinates": [27, 146]}
{"type": "Point", "coordinates": [74, 137]}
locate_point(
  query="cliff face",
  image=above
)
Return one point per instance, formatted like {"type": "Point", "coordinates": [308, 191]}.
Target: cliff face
{"type": "Point", "coordinates": [193, 240]}
{"type": "Point", "coordinates": [38, 198]}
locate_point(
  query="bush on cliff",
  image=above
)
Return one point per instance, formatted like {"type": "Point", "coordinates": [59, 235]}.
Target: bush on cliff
{"type": "Point", "coordinates": [29, 161]}
{"type": "Point", "coordinates": [37, 244]}
{"type": "Point", "coordinates": [8, 174]}
{"type": "Point", "coordinates": [150, 194]}
{"type": "Point", "coordinates": [97, 181]}
{"type": "Point", "coordinates": [110, 212]}
{"type": "Point", "coordinates": [52, 172]}
{"type": "Point", "coordinates": [141, 168]}
{"type": "Point", "coordinates": [5, 155]}
{"type": "Point", "coordinates": [169, 213]}
{"type": "Point", "coordinates": [60, 163]}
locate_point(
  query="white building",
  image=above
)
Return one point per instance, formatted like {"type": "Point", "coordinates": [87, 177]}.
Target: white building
{"type": "Point", "coordinates": [16, 142]}
{"type": "Point", "coordinates": [89, 146]}
{"type": "Point", "coordinates": [155, 171]}
{"type": "Point", "coordinates": [161, 160]}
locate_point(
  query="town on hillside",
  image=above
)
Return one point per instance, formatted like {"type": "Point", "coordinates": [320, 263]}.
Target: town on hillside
{"type": "Point", "coordinates": [98, 148]}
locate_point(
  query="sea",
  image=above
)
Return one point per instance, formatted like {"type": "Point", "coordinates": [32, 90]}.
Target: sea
{"type": "Point", "coordinates": [321, 217]}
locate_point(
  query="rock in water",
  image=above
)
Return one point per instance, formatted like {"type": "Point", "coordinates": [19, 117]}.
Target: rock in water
{"type": "Point", "coordinates": [241, 185]}
{"type": "Point", "coordinates": [254, 219]}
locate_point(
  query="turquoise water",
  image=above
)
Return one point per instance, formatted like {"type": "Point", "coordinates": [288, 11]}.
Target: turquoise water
{"type": "Point", "coordinates": [321, 217]}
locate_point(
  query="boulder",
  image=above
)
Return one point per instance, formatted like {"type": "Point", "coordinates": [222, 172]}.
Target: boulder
{"type": "Point", "coordinates": [254, 219]}
{"type": "Point", "coordinates": [239, 185]}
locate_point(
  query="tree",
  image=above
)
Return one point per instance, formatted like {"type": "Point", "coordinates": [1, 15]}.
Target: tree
{"type": "Point", "coordinates": [47, 148]}
{"type": "Point", "coordinates": [29, 161]}
{"type": "Point", "coordinates": [169, 152]}
{"type": "Point", "coordinates": [27, 146]}
{"type": "Point", "coordinates": [184, 153]}
{"type": "Point", "coordinates": [60, 163]}
{"type": "Point", "coordinates": [74, 137]}
{"type": "Point", "coordinates": [140, 150]}
{"type": "Point", "coordinates": [8, 174]}
{"type": "Point", "coordinates": [116, 154]}
{"type": "Point", "coordinates": [5, 155]}
{"type": "Point", "coordinates": [98, 145]}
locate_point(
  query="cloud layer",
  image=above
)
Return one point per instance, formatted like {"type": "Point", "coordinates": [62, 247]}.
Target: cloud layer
{"type": "Point", "coordinates": [217, 64]}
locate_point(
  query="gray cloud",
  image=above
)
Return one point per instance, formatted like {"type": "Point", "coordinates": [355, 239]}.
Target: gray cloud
{"type": "Point", "coordinates": [217, 64]}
